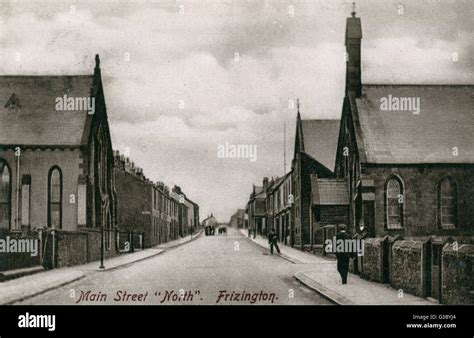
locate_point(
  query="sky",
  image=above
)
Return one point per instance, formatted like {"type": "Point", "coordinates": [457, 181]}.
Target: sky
{"type": "Point", "coordinates": [183, 78]}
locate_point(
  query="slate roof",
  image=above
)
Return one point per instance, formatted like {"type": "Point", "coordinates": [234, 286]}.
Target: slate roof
{"type": "Point", "coordinates": [329, 191]}
{"type": "Point", "coordinates": [34, 119]}
{"type": "Point", "coordinates": [320, 140]}
{"type": "Point", "coordinates": [445, 121]}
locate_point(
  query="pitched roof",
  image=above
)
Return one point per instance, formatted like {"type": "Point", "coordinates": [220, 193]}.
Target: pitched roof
{"type": "Point", "coordinates": [320, 140]}
{"type": "Point", "coordinates": [30, 118]}
{"type": "Point", "coordinates": [445, 121]}
{"type": "Point", "coordinates": [276, 183]}
{"type": "Point", "coordinates": [329, 191]}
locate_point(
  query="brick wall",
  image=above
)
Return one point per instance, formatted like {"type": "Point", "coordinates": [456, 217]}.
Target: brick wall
{"type": "Point", "coordinates": [134, 205]}
{"type": "Point", "coordinates": [421, 198]}
{"type": "Point", "coordinates": [407, 267]}
{"type": "Point", "coordinates": [458, 274]}
{"type": "Point", "coordinates": [329, 215]}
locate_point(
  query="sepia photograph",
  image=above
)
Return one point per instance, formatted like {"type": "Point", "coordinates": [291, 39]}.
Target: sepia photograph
{"type": "Point", "coordinates": [306, 154]}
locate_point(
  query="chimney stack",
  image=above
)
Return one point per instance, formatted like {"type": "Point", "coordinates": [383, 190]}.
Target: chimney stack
{"type": "Point", "coordinates": [353, 49]}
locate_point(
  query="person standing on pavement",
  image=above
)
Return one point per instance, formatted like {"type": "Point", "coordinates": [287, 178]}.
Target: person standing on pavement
{"type": "Point", "coordinates": [343, 257]}
{"type": "Point", "coordinates": [273, 241]}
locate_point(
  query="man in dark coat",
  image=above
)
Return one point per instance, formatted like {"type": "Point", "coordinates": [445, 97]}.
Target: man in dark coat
{"type": "Point", "coordinates": [343, 257]}
{"type": "Point", "coordinates": [273, 241]}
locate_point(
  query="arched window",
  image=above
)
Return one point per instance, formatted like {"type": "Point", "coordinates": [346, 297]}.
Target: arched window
{"type": "Point", "coordinates": [394, 203]}
{"type": "Point", "coordinates": [447, 196]}
{"type": "Point", "coordinates": [55, 194]}
{"type": "Point", "coordinates": [5, 195]}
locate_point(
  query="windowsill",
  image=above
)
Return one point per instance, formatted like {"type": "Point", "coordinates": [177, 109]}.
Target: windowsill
{"type": "Point", "coordinates": [15, 230]}
{"type": "Point", "coordinates": [448, 227]}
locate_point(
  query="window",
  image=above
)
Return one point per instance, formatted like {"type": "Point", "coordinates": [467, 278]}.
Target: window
{"type": "Point", "coordinates": [55, 182]}
{"type": "Point", "coordinates": [394, 203]}
{"type": "Point", "coordinates": [25, 200]}
{"type": "Point", "coordinates": [5, 195]}
{"type": "Point", "coordinates": [447, 203]}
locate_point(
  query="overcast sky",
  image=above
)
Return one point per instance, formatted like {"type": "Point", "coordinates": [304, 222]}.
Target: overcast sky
{"type": "Point", "coordinates": [183, 77]}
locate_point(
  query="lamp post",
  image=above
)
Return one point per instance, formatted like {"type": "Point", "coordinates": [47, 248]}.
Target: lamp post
{"type": "Point", "coordinates": [102, 244]}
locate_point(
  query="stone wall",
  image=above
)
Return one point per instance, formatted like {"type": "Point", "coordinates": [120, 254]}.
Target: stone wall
{"type": "Point", "coordinates": [407, 267]}
{"type": "Point", "coordinates": [80, 247]}
{"type": "Point", "coordinates": [373, 259]}
{"type": "Point", "coordinates": [458, 274]}
{"type": "Point", "coordinates": [71, 248]}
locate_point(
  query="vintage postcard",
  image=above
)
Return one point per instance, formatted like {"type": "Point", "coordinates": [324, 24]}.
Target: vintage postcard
{"type": "Point", "coordinates": [224, 152]}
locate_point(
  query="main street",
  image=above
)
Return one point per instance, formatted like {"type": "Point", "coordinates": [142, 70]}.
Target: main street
{"type": "Point", "coordinates": [209, 270]}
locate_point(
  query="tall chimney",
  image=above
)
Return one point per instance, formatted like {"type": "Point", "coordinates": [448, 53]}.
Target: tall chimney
{"type": "Point", "coordinates": [353, 42]}
{"type": "Point", "coordinates": [265, 183]}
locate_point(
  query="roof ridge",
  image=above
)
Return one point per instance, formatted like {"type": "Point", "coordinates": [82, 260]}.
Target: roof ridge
{"type": "Point", "coordinates": [336, 119]}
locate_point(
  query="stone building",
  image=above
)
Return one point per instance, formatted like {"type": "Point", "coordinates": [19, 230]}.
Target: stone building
{"type": "Point", "coordinates": [409, 171]}
{"type": "Point", "coordinates": [237, 220]}
{"type": "Point", "coordinates": [406, 153]}
{"type": "Point", "coordinates": [256, 208]}
{"type": "Point", "coordinates": [314, 153]}
{"type": "Point", "coordinates": [282, 204]}
{"type": "Point", "coordinates": [55, 162]}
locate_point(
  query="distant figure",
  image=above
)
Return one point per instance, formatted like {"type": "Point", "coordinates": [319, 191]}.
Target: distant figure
{"type": "Point", "coordinates": [273, 241]}
{"type": "Point", "coordinates": [343, 257]}
{"type": "Point", "coordinates": [364, 233]}
{"type": "Point", "coordinates": [250, 232]}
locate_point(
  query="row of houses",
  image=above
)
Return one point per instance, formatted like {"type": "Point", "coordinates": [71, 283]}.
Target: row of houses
{"type": "Point", "coordinates": [151, 208]}
{"type": "Point", "coordinates": [62, 183]}
{"type": "Point", "coordinates": [403, 179]}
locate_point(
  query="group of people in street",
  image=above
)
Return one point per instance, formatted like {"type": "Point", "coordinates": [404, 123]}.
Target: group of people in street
{"type": "Point", "coordinates": [210, 230]}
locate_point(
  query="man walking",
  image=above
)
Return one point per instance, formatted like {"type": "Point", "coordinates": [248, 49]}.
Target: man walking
{"type": "Point", "coordinates": [273, 241]}
{"type": "Point", "coordinates": [343, 257]}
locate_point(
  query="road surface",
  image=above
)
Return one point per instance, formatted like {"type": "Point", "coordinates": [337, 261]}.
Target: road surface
{"type": "Point", "coordinates": [209, 270]}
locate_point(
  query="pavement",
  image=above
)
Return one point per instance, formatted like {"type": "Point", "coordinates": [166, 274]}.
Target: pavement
{"type": "Point", "coordinates": [324, 279]}
{"type": "Point", "coordinates": [20, 289]}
